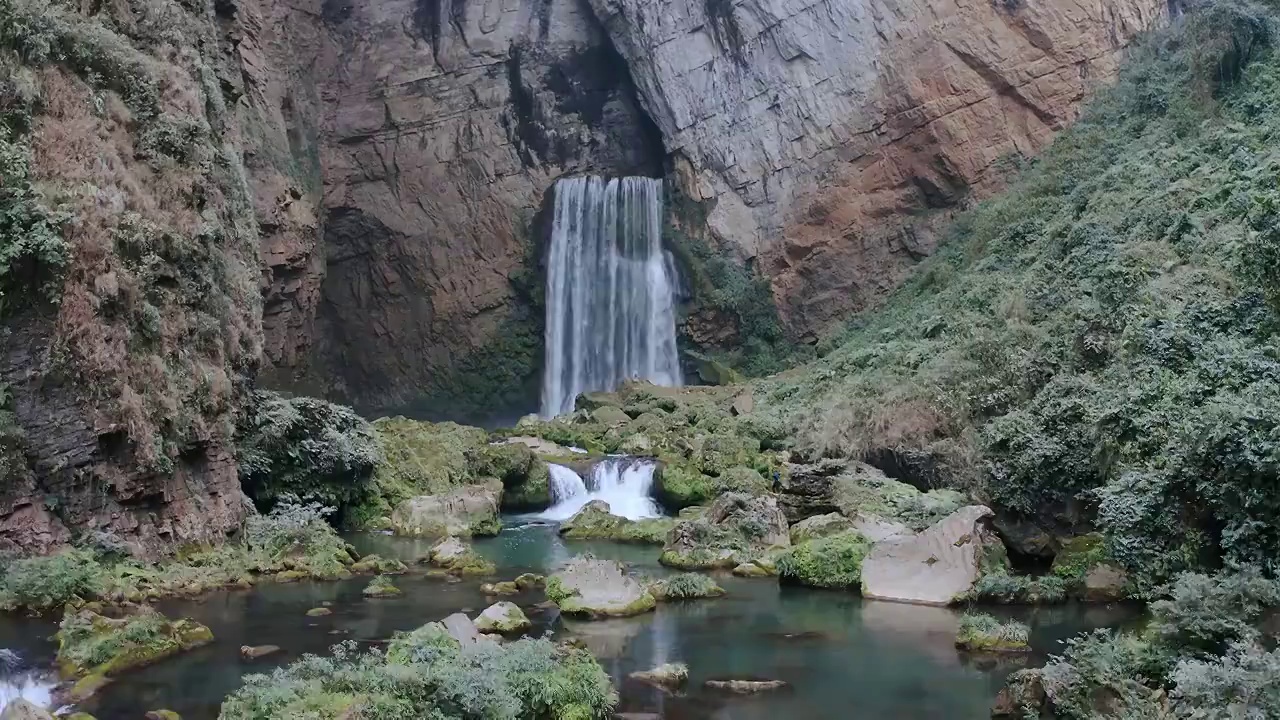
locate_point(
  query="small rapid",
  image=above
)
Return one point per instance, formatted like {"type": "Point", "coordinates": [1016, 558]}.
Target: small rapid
{"type": "Point", "coordinates": [623, 482]}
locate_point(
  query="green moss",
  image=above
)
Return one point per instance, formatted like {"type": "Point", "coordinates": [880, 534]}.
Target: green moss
{"type": "Point", "coordinates": [381, 587]}
{"type": "Point", "coordinates": [679, 486]}
{"type": "Point", "coordinates": [90, 644]}
{"type": "Point", "coordinates": [533, 493]}
{"type": "Point", "coordinates": [829, 562]}
{"type": "Point", "coordinates": [594, 523]}
{"type": "Point", "coordinates": [984, 633]}
{"type": "Point", "coordinates": [379, 565]}
{"type": "Point", "coordinates": [1078, 555]}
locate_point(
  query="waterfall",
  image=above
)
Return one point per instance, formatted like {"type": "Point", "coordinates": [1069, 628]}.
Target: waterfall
{"type": "Point", "coordinates": [623, 482]}
{"type": "Point", "coordinates": [610, 290]}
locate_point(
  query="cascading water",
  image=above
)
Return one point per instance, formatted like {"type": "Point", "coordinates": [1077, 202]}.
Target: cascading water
{"type": "Point", "coordinates": [622, 482]}
{"type": "Point", "coordinates": [610, 290]}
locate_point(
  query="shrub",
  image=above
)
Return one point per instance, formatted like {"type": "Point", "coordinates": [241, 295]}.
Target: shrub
{"type": "Point", "coordinates": [1204, 615]}
{"type": "Point", "coordinates": [427, 674]}
{"type": "Point", "coordinates": [1244, 684]}
{"type": "Point", "coordinates": [1019, 590]}
{"type": "Point", "coordinates": [831, 562]}
{"type": "Point", "coordinates": [305, 447]}
{"type": "Point", "coordinates": [685, 586]}
{"type": "Point", "coordinates": [297, 531]}
{"type": "Point", "coordinates": [41, 583]}
{"type": "Point", "coordinates": [33, 251]}
{"type": "Point", "coordinates": [985, 632]}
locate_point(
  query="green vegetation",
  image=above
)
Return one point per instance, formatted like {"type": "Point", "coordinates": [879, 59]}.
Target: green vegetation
{"type": "Point", "coordinates": [1202, 655]}
{"type": "Point", "coordinates": [427, 674]}
{"type": "Point", "coordinates": [833, 562]}
{"type": "Point", "coordinates": [91, 644]}
{"type": "Point", "coordinates": [595, 522]}
{"type": "Point", "coordinates": [294, 541]}
{"type": "Point", "coordinates": [985, 633]}
{"type": "Point", "coordinates": [1104, 331]}
{"type": "Point", "coordinates": [685, 586]}
{"type": "Point", "coordinates": [1004, 589]}
{"type": "Point", "coordinates": [381, 586]}
{"type": "Point", "coordinates": [304, 447]}
{"type": "Point", "coordinates": [726, 291]}
{"type": "Point", "coordinates": [128, 212]}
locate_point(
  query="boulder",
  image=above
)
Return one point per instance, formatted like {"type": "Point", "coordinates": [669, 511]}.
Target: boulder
{"type": "Point", "coordinates": [456, 557]}
{"type": "Point", "coordinates": [751, 570]}
{"type": "Point", "coordinates": [669, 675]}
{"type": "Point", "coordinates": [833, 562]}
{"type": "Point", "coordinates": [319, 612]}
{"type": "Point", "coordinates": [379, 565]}
{"type": "Point", "coordinates": [743, 404]}
{"type": "Point", "coordinates": [466, 511]}
{"type": "Point", "coordinates": [840, 486]}
{"type": "Point", "coordinates": [95, 645]}
{"type": "Point", "coordinates": [461, 628]}
{"type": "Point", "coordinates": [876, 528]}
{"type": "Point", "coordinates": [501, 588]}
{"type": "Point", "coordinates": [381, 587]}
{"type": "Point", "coordinates": [595, 522]}
{"type": "Point", "coordinates": [21, 709]}
{"type": "Point", "coordinates": [598, 589]}
{"type": "Point", "coordinates": [253, 652]}
{"type": "Point", "coordinates": [503, 618]}
{"type": "Point", "coordinates": [1105, 582]}
{"type": "Point", "coordinates": [737, 528]}
{"type": "Point", "coordinates": [530, 581]}
{"type": "Point", "coordinates": [819, 526]}
{"type": "Point", "coordinates": [610, 416]}
{"type": "Point", "coordinates": [934, 567]}
{"type": "Point", "coordinates": [1022, 696]}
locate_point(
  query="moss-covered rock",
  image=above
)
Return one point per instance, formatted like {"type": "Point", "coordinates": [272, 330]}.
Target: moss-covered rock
{"type": "Point", "coordinates": [752, 570]}
{"type": "Point", "coordinates": [595, 522]}
{"type": "Point", "coordinates": [530, 581]}
{"type": "Point", "coordinates": [820, 526]}
{"type": "Point", "coordinates": [423, 458]}
{"type": "Point", "coordinates": [685, 586]}
{"type": "Point", "coordinates": [670, 675]}
{"type": "Point", "coordinates": [503, 618]}
{"type": "Point", "coordinates": [381, 587]}
{"type": "Point", "coordinates": [93, 644]}
{"type": "Point", "coordinates": [984, 633]}
{"type": "Point", "coordinates": [833, 562]}
{"type": "Point", "coordinates": [736, 528]}
{"type": "Point", "coordinates": [379, 565]}
{"type": "Point", "coordinates": [533, 492]}
{"type": "Point", "coordinates": [465, 511]}
{"type": "Point", "coordinates": [592, 588]}
{"type": "Point", "coordinates": [1089, 571]}
{"type": "Point", "coordinates": [457, 558]}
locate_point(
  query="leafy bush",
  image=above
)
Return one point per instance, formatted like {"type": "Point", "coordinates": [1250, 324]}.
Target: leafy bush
{"type": "Point", "coordinates": [33, 252]}
{"type": "Point", "coordinates": [685, 586]}
{"type": "Point", "coordinates": [427, 674]}
{"type": "Point", "coordinates": [296, 532]}
{"type": "Point", "coordinates": [305, 447]}
{"type": "Point", "coordinates": [1204, 615]}
{"type": "Point", "coordinates": [86, 640]}
{"type": "Point", "coordinates": [830, 562]}
{"type": "Point", "coordinates": [1244, 684]}
{"type": "Point", "coordinates": [41, 583]}
{"type": "Point", "coordinates": [1019, 590]}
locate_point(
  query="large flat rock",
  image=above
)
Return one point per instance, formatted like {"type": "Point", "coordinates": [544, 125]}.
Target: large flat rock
{"type": "Point", "coordinates": [933, 567]}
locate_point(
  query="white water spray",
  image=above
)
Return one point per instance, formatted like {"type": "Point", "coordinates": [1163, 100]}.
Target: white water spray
{"type": "Point", "coordinates": [624, 483]}
{"type": "Point", "coordinates": [610, 290]}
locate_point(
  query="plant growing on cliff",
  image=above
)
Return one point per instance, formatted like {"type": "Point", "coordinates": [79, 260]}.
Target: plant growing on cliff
{"type": "Point", "coordinates": [306, 447]}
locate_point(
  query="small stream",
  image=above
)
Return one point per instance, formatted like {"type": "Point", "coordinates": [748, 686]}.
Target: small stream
{"type": "Point", "coordinates": [860, 658]}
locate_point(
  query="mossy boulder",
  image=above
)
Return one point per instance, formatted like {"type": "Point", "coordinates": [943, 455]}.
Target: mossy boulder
{"type": "Point", "coordinates": [23, 709]}
{"type": "Point", "coordinates": [678, 486]}
{"type": "Point", "coordinates": [379, 565]}
{"type": "Point", "coordinates": [592, 588]}
{"type": "Point", "coordinates": [595, 522]}
{"type": "Point", "coordinates": [984, 633]}
{"type": "Point", "coordinates": [423, 458]}
{"type": "Point", "coordinates": [503, 618]}
{"type": "Point", "coordinates": [381, 587]}
{"type": "Point", "coordinates": [92, 644]}
{"type": "Point", "coordinates": [670, 675]}
{"type": "Point", "coordinates": [457, 558]}
{"type": "Point", "coordinates": [530, 581]}
{"type": "Point", "coordinates": [833, 562]}
{"type": "Point", "coordinates": [533, 492]}
{"type": "Point", "coordinates": [464, 511]}
{"type": "Point", "coordinates": [753, 570]}
{"type": "Point", "coordinates": [735, 529]}
{"type": "Point", "coordinates": [820, 526]}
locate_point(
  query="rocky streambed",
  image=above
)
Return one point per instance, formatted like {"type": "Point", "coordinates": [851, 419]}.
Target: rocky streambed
{"type": "Point", "coordinates": [831, 649]}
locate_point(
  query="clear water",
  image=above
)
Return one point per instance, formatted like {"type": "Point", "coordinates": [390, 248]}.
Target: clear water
{"type": "Point", "coordinates": [623, 482]}
{"type": "Point", "coordinates": [844, 655]}
{"type": "Point", "coordinates": [610, 290]}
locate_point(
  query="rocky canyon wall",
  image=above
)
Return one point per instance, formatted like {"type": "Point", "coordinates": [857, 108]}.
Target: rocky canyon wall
{"type": "Point", "coordinates": [825, 142]}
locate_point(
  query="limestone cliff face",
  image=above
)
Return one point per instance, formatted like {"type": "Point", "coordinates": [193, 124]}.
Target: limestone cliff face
{"type": "Point", "coordinates": [824, 142]}
{"type": "Point", "coordinates": [823, 134]}
{"type": "Point", "coordinates": [444, 125]}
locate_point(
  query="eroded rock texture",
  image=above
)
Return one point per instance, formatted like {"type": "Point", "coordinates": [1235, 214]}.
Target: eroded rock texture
{"type": "Point", "coordinates": [826, 142]}
{"type": "Point", "coordinates": [822, 132]}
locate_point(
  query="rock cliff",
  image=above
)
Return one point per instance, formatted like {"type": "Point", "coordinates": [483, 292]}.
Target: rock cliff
{"type": "Point", "coordinates": [824, 143]}
{"type": "Point", "coordinates": [823, 133]}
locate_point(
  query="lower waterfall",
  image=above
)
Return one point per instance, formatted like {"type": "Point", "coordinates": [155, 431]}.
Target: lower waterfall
{"type": "Point", "coordinates": [623, 482]}
{"type": "Point", "coordinates": [610, 290]}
